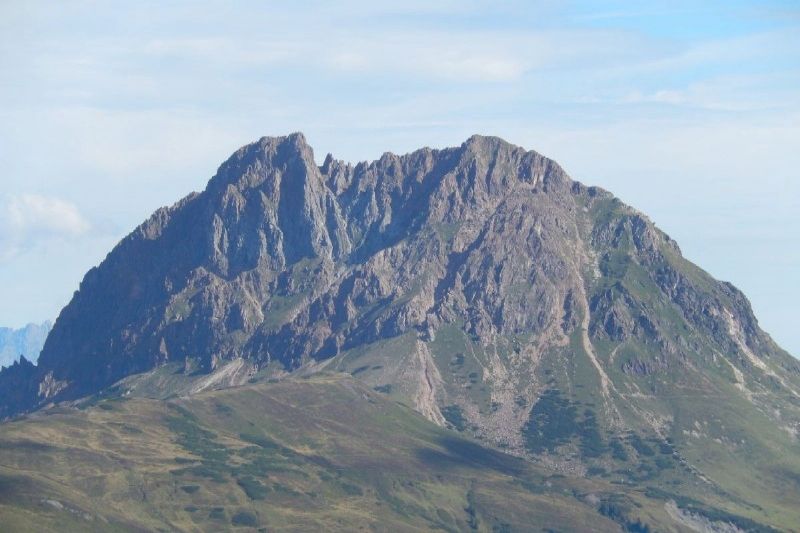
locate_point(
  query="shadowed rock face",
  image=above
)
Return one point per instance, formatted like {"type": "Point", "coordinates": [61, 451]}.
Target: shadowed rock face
{"type": "Point", "coordinates": [467, 281]}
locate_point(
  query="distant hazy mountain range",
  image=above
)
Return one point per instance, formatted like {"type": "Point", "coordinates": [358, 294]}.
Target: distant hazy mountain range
{"type": "Point", "coordinates": [27, 341]}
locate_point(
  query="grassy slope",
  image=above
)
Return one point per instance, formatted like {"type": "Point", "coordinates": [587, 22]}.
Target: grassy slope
{"type": "Point", "coordinates": [320, 453]}
{"type": "Point", "coordinates": [750, 463]}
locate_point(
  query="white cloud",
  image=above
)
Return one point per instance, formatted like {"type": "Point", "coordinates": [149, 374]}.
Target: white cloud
{"type": "Point", "coordinates": [450, 55]}
{"type": "Point", "coordinates": [28, 219]}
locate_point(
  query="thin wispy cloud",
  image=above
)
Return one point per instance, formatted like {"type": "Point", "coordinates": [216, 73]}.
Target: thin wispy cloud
{"type": "Point", "coordinates": [452, 55]}
{"type": "Point", "coordinates": [27, 220]}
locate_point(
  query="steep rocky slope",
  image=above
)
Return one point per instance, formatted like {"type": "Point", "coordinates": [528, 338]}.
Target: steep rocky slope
{"type": "Point", "coordinates": [478, 284]}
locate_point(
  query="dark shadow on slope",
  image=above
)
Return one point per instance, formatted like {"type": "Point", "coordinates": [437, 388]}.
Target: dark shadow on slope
{"type": "Point", "coordinates": [461, 453]}
{"type": "Point", "coordinates": [27, 446]}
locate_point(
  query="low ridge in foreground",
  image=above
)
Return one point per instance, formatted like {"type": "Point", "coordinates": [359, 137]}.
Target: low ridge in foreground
{"type": "Point", "coordinates": [324, 453]}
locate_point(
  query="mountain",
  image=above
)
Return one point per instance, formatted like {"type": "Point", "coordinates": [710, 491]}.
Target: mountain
{"type": "Point", "coordinates": [26, 342]}
{"type": "Point", "coordinates": [481, 286]}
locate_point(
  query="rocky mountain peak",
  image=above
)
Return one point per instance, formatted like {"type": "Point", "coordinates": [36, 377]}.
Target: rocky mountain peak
{"type": "Point", "coordinates": [478, 284]}
{"type": "Point", "coordinates": [466, 281]}
{"type": "Point", "coordinates": [279, 153]}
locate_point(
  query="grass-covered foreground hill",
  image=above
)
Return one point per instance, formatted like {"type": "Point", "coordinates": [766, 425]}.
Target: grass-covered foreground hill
{"type": "Point", "coordinates": [321, 453]}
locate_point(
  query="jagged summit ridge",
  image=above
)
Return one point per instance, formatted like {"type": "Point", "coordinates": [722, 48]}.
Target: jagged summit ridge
{"type": "Point", "coordinates": [268, 207]}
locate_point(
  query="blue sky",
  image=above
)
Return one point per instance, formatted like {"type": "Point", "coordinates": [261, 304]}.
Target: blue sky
{"type": "Point", "coordinates": [689, 111]}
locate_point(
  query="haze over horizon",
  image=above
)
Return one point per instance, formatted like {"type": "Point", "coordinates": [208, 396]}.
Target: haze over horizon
{"type": "Point", "coordinates": [690, 114]}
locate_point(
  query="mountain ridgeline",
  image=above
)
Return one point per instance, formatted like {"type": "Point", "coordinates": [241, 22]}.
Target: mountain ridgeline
{"type": "Point", "coordinates": [24, 342]}
{"type": "Point", "coordinates": [480, 285]}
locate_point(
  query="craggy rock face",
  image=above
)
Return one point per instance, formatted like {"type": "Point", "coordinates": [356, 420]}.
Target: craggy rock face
{"type": "Point", "coordinates": [479, 284]}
